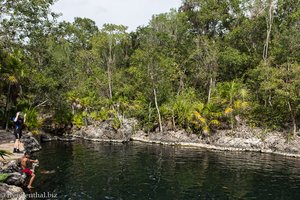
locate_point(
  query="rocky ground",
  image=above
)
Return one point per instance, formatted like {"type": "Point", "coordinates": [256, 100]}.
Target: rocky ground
{"type": "Point", "coordinates": [105, 131]}
{"type": "Point", "coordinates": [12, 180]}
{"type": "Point", "coordinates": [242, 138]}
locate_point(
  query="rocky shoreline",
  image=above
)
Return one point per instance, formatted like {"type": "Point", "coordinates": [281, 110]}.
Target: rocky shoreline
{"type": "Point", "coordinates": [12, 180]}
{"type": "Point", "coordinates": [242, 138]}
{"type": "Point", "coordinates": [141, 137]}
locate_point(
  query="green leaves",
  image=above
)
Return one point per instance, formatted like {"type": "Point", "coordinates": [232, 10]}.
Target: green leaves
{"type": "Point", "coordinates": [2, 154]}
{"type": "Point", "coordinates": [199, 68]}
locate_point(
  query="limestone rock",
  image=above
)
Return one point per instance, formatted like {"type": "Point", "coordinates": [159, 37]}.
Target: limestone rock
{"type": "Point", "coordinates": [11, 167]}
{"type": "Point", "coordinates": [30, 143]}
{"type": "Point", "coordinates": [11, 192]}
{"type": "Point", "coordinates": [48, 138]}
{"type": "Point", "coordinates": [105, 131]}
{"type": "Point", "coordinates": [15, 179]}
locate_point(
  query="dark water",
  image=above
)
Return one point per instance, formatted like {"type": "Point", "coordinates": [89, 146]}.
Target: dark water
{"type": "Point", "coordinates": [87, 170]}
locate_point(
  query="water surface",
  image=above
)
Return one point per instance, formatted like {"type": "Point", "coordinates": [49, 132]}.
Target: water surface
{"type": "Point", "coordinates": [87, 170]}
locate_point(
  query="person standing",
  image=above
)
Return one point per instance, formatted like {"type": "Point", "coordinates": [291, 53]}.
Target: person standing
{"type": "Point", "coordinates": [19, 124]}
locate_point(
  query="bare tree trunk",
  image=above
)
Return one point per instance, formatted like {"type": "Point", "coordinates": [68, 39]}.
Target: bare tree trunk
{"type": "Point", "coordinates": [109, 74]}
{"type": "Point", "coordinates": [266, 45]}
{"type": "Point", "coordinates": [150, 113]}
{"type": "Point", "coordinates": [6, 107]}
{"type": "Point", "coordinates": [210, 89]}
{"type": "Point", "coordinates": [181, 83]}
{"type": "Point", "coordinates": [293, 118]}
{"type": "Point", "coordinates": [269, 29]}
{"type": "Point", "coordinates": [157, 109]}
{"type": "Point", "coordinates": [109, 68]}
{"type": "Point", "coordinates": [294, 126]}
{"type": "Point", "coordinates": [173, 120]}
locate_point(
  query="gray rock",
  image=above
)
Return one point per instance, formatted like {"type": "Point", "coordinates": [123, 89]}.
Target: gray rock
{"type": "Point", "coordinates": [11, 192]}
{"type": "Point", "coordinates": [105, 131]}
{"type": "Point", "coordinates": [127, 129]}
{"type": "Point", "coordinates": [48, 138]}
{"type": "Point", "coordinates": [66, 138]}
{"type": "Point", "coordinates": [173, 137]}
{"type": "Point", "coordinates": [11, 167]}
{"type": "Point", "coordinates": [15, 179]}
{"type": "Point", "coordinates": [30, 143]}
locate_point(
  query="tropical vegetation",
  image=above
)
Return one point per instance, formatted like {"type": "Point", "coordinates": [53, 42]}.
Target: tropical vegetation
{"type": "Point", "coordinates": [207, 65]}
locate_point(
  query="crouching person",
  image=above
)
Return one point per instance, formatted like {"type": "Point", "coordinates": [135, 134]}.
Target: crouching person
{"type": "Point", "coordinates": [26, 162]}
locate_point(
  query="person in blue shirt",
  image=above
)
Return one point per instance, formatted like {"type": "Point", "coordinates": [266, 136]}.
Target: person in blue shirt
{"type": "Point", "coordinates": [19, 124]}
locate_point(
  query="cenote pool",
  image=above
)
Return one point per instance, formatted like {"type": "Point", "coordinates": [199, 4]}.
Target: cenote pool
{"type": "Point", "coordinates": [88, 170]}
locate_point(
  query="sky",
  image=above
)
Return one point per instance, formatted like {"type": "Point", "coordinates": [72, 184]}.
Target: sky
{"type": "Point", "coordinates": [130, 13]}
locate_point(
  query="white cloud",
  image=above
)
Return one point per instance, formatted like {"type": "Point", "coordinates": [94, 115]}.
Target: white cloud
{"type": "Point", "coordinates": [131, 13]}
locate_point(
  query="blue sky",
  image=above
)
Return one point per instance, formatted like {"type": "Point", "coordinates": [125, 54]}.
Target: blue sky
{"type": "Point", "coordinates": [131, 13]}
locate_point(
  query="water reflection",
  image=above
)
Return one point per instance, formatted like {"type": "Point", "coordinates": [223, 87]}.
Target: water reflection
{"type": "Point", "coordinates": [87, 170]}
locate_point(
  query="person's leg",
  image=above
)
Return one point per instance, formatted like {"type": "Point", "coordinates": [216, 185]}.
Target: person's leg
{"type": "Point", "coordinates": [31, 181]}
{"type": "Point", "coordinates": [16, 145]}
{"type": "Point", "coordinates": [18, 135]}
{"type": "Point", "coordinates": [19, 141]}
{"type": "Point", "coordinates": [21, 144]}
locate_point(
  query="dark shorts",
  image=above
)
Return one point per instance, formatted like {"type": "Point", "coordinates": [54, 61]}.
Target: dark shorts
{"type": "Point", "coordinates": [18, 133]}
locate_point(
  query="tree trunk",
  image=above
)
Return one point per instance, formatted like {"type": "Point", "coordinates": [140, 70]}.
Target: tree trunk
{"type": "Point", "coordinates": [109, 79]}
{"type": "Point", "coordinates": [211, 85]}
{"type": "Point", "coordinates": [294, 126]}
{"type": "Point", "coordinates": [109, 68]}
{"type": "Point", "coordinates": [293, 118]}
{"type": "Point", "coordinates": [269, 29]}
{"type": "Point", "coordinates": [6, 107]}
{"type": "Point", "coordinates": [173, 120]}
{"type": "Point", "coordinates": [150, 113]}
{"type": "Point", "coordinates": [157, 109]}
{"type": "Point", "coordinates": [181, 83]}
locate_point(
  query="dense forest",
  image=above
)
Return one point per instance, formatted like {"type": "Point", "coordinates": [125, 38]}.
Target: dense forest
{"type": "Point", "coordinates": [209, 65]}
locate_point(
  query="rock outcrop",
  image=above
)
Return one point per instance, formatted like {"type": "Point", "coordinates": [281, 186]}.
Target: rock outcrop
{"type": "Point", "coordinates": [11, 192]}
{"type": "Point", "coordinates": [10, 167]}
{"type": "Point", "coordinates": [242, 138]}
{"type": "Point", "coordinates": [106, 131]}
{"type": "Point", "coordinates": [16, 179]}
{"type": "Point", "coordinates": [48, 138]}
{"type": "Point", "coordinates": [30, 143]}
{"type": "Point", "coordinates": [9, 187]}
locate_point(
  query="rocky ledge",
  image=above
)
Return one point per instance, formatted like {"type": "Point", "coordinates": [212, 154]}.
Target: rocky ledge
{"type": "Point", "coordinates": [106, 131]}
{"type": "Point", "coordinates": [242, 138]}
{"type": "Point", "coordinates": [11, 192]}
{"type": "Point", "coordinates": [11, 181]}
{"type": "Point", "coordinates": [30, 143]}
{"type": "Point", "coordinates": [11, 178]}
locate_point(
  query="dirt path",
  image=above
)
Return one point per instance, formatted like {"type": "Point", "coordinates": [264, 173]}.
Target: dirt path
{"type": "Point", "coordinates": [7, 144]}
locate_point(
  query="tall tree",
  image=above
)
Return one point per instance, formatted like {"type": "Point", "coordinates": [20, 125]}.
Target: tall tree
{"type": "Point", "coordinates": [107, 46]}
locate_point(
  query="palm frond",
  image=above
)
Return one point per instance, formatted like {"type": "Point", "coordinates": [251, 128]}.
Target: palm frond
{"type": "Point", "coordinates": [4, 153]}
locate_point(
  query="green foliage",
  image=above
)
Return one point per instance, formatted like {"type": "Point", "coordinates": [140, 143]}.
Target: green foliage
{"type": "Point", "coordinates": [234, 99]}
{"type": "Point", "coordinates": [206, 117]}
{"type": "Point", "coordinates": [62, 116]}
{"type": "Point", "coordinates": [3, 177]}
{"type": "Point", "coordinates": [32, 119]}
{"type": "Point", "coordinates": [78, 120]}
{"type": "Point", "coordinates": [199, 68]}
{"type": "Point", "coordinates": [279, 88]}
{"type": "Point", "coordinates": [233, 63]}
{"type": "Point", "coordinates": [4, 153]}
